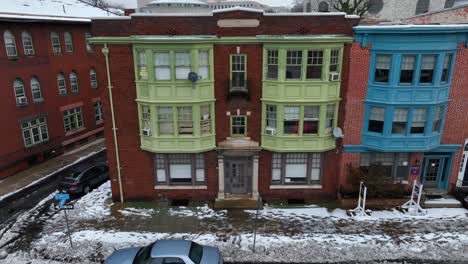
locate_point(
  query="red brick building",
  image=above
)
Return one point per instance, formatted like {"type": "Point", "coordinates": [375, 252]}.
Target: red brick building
{"type": "Point", "coordinates": [50, 97]}
{"type": "Point", "coordinates": [230, 105]}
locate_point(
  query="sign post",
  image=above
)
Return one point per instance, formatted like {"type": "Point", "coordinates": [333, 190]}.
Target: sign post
{"type": "Point", "coordinates": [413, 206]}
{"type": "Point", "coordinates": [256, 220]}
{"type": "Point", "coordinates": [360, 209]}
{"type": "Point", "coordinates": [63, 197]}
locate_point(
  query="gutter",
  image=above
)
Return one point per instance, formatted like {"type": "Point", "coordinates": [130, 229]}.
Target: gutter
{"type": "Point", "coordinates": [105, 51]}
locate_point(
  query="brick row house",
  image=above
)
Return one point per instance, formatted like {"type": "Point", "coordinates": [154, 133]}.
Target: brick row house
{"type": "Point", "coordinates": [238, 104]}
{"type": "Point", "coordinates": [50, 97]}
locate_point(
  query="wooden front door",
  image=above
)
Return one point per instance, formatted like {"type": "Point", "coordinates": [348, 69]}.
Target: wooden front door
{"type": "Point", "coordinates": [238, 175]}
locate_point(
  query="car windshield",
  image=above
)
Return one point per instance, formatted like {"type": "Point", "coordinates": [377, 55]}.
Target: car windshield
{"type": "Point", "coordinates": [196, 252]}
{"type": "Point", "coordinates": [72, 175]}
{"type": "Point", "coordinates": [143, 254]}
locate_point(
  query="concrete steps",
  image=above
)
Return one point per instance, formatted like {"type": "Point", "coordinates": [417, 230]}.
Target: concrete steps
{"type": "Point", "coordinates": [443, 201]}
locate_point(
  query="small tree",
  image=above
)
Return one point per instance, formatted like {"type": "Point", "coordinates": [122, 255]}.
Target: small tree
{"type": "Point", "coordinates": [353, 7]}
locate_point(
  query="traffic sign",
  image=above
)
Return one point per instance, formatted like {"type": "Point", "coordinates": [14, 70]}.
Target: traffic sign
{"type": "Point", "coordinates": [62, 196]}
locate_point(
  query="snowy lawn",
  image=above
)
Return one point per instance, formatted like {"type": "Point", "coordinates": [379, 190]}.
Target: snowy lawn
{"type": "Point", "coordinates": [305, 234]}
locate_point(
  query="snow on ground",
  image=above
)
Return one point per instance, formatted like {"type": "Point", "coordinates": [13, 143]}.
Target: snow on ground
{"type": "Point", "coordinates": [95, 205]}
{"type": "Point", "coordinates": [200, 212]}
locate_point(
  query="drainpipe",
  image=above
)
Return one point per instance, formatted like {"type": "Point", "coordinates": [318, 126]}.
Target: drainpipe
{"type": "Point", "coordinates": [105, 51]}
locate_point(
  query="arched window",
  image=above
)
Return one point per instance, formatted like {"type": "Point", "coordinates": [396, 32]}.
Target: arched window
{"type": "Point", "coordinates": [449, 3]}
{"type": "Point", "coordinates": [27, 43]}
{"type": "Point", "coordinates": [68, 42]}
{"type": "Point", "coordinates": [62, 84]}
{"type": "Point", "coordinates": [20, 95]}
{"type": "Point", "coordinates": [422, 7]}
{"type": "Point", "coordinates": [375, 6]}
{"type": "Point", "coordinates": [10, 44]}
{"type": "Point", "coordinates": [323, 7]}
{"type": "Point", "coordinates": [56, 47]}
{"type": "Point", "coordinates": [308, 7]}
{"type": "Point", "coordinates": [36, 89]}
{"type": "Point", "coordinates": [74, 82]}
{"type": "Point", "coordinates": [93, 78]}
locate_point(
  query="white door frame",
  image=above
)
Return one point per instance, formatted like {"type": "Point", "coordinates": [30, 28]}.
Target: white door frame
{"type": "Point", "coordinates": [463, 164]}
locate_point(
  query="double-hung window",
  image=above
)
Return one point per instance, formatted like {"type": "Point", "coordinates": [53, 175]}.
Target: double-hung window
{"type": "Point", "coordinates": [62, 84]}
{"type": "Point", "coordinates": [238, 125]}
{"type": "Point", "coordinates": [98, 114]}
{"type": "Point", "coordinates": [185, 120]}
{"type": "Point", "coordinates": [311, 119]}
{"type": "Point", "coordinates": [296, 168]}
{"type": "Point", "coordinates": [427, 68]}
{"type": "Point", "coordinates": [183, 64]}
{"type": "Point", "coordinates": [446, 69]}
{"type": "Point", "coordinates": [291, 119]}
{"type": "Point", "coordinates": [36, 89]}
{"type": "Point", "coordinates": [293, 64]}
{"type": "Point", "coordinates": [10, 44]}
{"type": "Point", "coordinates": [419, 121]}
{"type": "Point", "coordinates": [437, 119]}
{"type": "Point", "coordinates": [400, 119]}
{"type": "Point", "coordinates": [162, 65]}
{"type": "Point", "coordinates": [272, 64]}
{"type": "Point", "coordinates": [271, 116]}
{"type": "Point", "coordinates": [314, 64]}
{"type": "Point", "coordinates": [205, 119]}
{"type": "Point", "coordinates": [20, 93]}
{"type": "Point", "coordinates": [330, 118]}
{"type": "Point", "coordinates": [376, 119]}
{"type": "Point", "coordinates": [72, 119]}
{"type": "Point", "coordinates": [35, 131]}
{"type": "Point", "coordinates": [27, 43]}
{"type": "Point", "coordinates": [179, 169]}
{"type": "Point", "coordinates": [407, 69]}
{"type": "Point", "coordinates": [238, 71]}
{"type": "Point", "coordinates": [334, 60]}
{"type": "Point", "coordinates": [68, 42]}
{"type": "Point", "coordinates": [146, 119]}
{"type": "Point", "coordinates": [74, 82]}
{"type": "Point", "coordinates": [56, 47]}
{"type": "Point", "coordinates": [93, 78]}
{"type": "Point", "coordinates": [165, 120]}
{"type": "Point", "coordinates": [142, 68]}
{"type": "Point", "coordinates": [382, 68]}
{"type": "Point", "coordinates": [89, 46]}
{"type": "Point", "coordinates": [204, 64]}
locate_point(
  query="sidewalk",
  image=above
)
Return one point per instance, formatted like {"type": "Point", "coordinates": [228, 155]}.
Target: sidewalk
{"type": "Point", "coordinates": [41, 171]}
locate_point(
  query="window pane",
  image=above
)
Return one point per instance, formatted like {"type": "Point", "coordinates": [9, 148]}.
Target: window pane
{"type": "Point", "coordinates": [376, 119]}
{"type": "Point", "coordinates": [291, 119]}
{"type": "Point", "coordinates": [293, 64]}
{"type": "Point", "coordinates": [446, 69]}
{"type": "Point", "coordinates": [419, 121]}
{"type": "Point", "coordinates": [382, 68]}
{"type": "Point", "coordinates": [204, 65]}
{"type": "Point", "coordinates": [10, 43]}
{"type": "Point", "coordinates": [296, 167]}
{"type": "Point", "coordinates": [27, 43]}
{"type": "Point", "coordinates": [407, 69]}
{"type": "Point", "coordinates": [330, 117]}
{"type": "Point", "coordinates": [142, 65]}
{"type": "Point", "coordinates": [182, 65]}
{"type": "Point", "coordinates": [185, 120]}
{"type": "Point", "coordinates": [272, 64]}
{"type": "Point", "coordinates": [238, 125]}
{"type": "Point", "coordinates": [427, 68]}
{"type": "Point", "coordinates": [56, 47]}
{"type": "Point", "coordinates": [314, 64]}
{"type": "Point", "coordinates": [271, 116]}
{"type": "Point", "coordinates": [205, 119]}
{"type": "Point", "coordinates": [311, 119]}
{"type": "Point", "coordinates": [162, 66]}
{"type": "Point", "coordinates": [68, 42]}
{"type": "Point", "coordinates": [238, 72]}
{"type": "Point", "coordinates": [437, 119]}
{"type": "Point", "coordinates": [165, 120]}
{"type": "Point", "coordinates": [400, 118]}
{"type": "Point", "coordinates": [334, 60]}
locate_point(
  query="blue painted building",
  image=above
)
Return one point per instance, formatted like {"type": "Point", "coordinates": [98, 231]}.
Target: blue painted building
{"type": "Point", "coordinates": [408, 90]}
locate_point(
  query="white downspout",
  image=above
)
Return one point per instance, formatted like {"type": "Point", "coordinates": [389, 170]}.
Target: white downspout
{"type": "Point", "coordinates": [105, 51]}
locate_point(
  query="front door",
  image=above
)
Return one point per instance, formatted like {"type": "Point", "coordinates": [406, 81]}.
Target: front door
{"type": "Point", "coordinates": [463, 171]}
{"type": "Point", "coordinates": [432, 171]}
{"type": "Point", "coordinates": [238, 173]}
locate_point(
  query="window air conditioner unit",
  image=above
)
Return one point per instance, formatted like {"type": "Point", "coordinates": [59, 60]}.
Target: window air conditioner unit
{"type": "Point", "coordinates": [146, 132]}
{"type": "Point", "coordinates": [21, 100]}
{"type": "Point", "coordinates": [334, 76]}
{"type": "Point", "coordinates": [57, 50]}
{"type": "Point", "coordinates": [271, 131]}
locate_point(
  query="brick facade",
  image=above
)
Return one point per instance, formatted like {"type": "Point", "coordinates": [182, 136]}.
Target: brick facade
{"type": "Point", "coordinates": [447, 16]}
{"type": "Point", "coordinates": [44, 65]}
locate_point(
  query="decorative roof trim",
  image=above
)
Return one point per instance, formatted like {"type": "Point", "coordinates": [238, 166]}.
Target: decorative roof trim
{"type": "Point", "coordinates": [237, 8]}
{"type": "Point", "coordinates": [15, 16]}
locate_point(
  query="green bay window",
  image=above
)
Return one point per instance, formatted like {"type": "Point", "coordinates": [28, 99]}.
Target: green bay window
{"type": "Point", "coordinates": [204, 64]}
{"type": "Point", "coordinates": [311, 119]}
{"type": "Point", "coordinates": [291, 120]}
{"type": "Point", "coordinates": [271, 116]}
{"type": "Point", "coordinates": [272, 64]}
{"type": "Point", "coordinates": [185, 120]}
{"type": "Point", "coordinates": [293, 64]}
{"type": "Point", "coordinates": [334, 60]}
{"type": "Point", "coordinates": [142, 71]}
{"type": "Point", "coordinates": [165, 120]}
{"type": "Point", "coordinates": [314, 64]}
{"type": "Point", "coordinates": [330, 118]}
{"type": "Point", "coordinates": [205, 119]}
{"type": "Point", "coordinates": [162, 66]}
{"type": "Point", "coordinates": [183, 64]}
{"type": "Point", "coordinates": [146, 120]}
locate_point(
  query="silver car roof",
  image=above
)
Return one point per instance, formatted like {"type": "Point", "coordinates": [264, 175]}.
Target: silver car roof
{"type": "Point", "coordinates": [171, 248]}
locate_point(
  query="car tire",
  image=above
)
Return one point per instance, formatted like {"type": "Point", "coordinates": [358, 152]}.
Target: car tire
{"type": "Point", "coordinates": [86, 189]}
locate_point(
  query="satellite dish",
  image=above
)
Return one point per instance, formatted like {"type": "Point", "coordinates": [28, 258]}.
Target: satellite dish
{"type": "Point", "coordinates": [193, 77]}
{"type": "Point", "coordinates": [337, 132]}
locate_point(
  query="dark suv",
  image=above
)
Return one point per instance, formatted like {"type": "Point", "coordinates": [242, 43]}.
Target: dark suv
{"type": "Point", "coordinates": [81, 180]}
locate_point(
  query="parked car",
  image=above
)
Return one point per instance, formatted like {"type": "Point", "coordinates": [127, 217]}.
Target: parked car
{"type": "Point", "coordinates": [81, 180]}
{"type": "Point", "coordinates": [167, 252]}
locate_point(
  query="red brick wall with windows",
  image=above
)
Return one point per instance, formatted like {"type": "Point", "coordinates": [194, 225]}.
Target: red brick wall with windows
{"type": "Point", "coordinates": [45, 66]}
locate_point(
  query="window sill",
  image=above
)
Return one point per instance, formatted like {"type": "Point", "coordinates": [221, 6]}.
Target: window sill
{"type": "Point", "coordinates": [22, 105]}
{"type": "Point", "coordinates": [314, 186]}
{"type": "Point", "coordinates": [38, 101]}
{"type": "Point", "coordinates": [75, 131]}
{"type": "Point", "coordinates": [13, 57]}
{"type": "Point", "coordinates": [100, 122]}
{"type": "Point", "coordinates": [180, 187]}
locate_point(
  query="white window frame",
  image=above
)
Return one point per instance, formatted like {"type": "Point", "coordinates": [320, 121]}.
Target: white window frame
{"type": "Point", "coordinates": [67, 36]}
{"type": "Point", "coordinates": [93, 78]}
{"type": "Point", "coordinates": [62, 84]}
{"type": "Point", "coordinates": [89, 46]}
{"type": "Point", "coordinates": [146, 123]}
{"type": "Point", "coordinates": [36, 89]}
{"type": "Point", "coordinates": [72, 119]}
{"type": "Point", "coordinates": [204, 64]}
{"type": "Point", "coordinates": [165, 118]}
{"type": "Point", "coordinates": [55, 40]}
{"type": "Point", "coordinates": [35, 131]}
{"type": "Point", "coordinates": [167, 166]}
{"type": "Point", "coordinates": [162, 65]}
{"type": "Point", "coordinates": [10, 44]}
{"type": "Point", "coordinates": [20, 92]}
{"type": "Point", "coordinates": [74, 82]}
{"type": "Point", "coordinates": [182, 67]}
{"type": "Point", "coordinates": [205, 119]}
{"type": "Point", "coordinates": [98, 113]}
{"type": "Point", "coordinates": [28, 45]}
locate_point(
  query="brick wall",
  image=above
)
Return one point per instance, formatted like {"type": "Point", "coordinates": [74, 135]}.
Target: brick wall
{"type": "Point", "coordinates": [45, 66]}
{"type": "Point", "coordinates": [451, 16]}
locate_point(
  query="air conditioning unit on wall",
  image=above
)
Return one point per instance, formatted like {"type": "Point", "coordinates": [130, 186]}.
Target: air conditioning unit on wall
{"type": "Point", "coordinates": [334, 76]}
{"type": "Point", "coordinates": [21, 100]}
{"type": "Point", "coordinates": [147, 132]}
{"type": "Point", "coordinates": [270, 131]}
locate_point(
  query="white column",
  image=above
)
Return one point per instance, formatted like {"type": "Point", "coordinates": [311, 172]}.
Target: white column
{"type": "Point", "coordinates": [255, 177]}
{"type": "Point", "coordinates": [220, 177]}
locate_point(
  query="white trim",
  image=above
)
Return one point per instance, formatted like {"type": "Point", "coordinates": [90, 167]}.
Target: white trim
{"type": "Point", "coordinates": [445, 26]}
{"type": "Point", "coordinates": [237, 8]}
{"type": "Point", "coordinates": [181, 187]}
{"type": "Point", "coordinates": [273, 187]}
{"type": "Point", "coordinates": [40, 17]}
{"type": "Point", "coordinates": [307, 14]}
